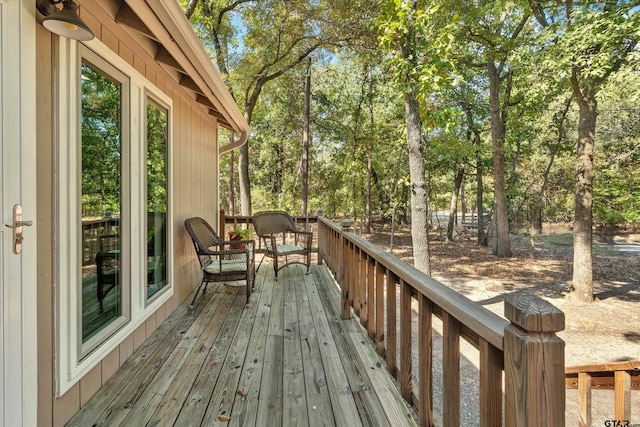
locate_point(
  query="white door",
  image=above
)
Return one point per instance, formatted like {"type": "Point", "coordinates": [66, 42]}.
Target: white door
{"type": "Point", "coordinates": [18, 336]}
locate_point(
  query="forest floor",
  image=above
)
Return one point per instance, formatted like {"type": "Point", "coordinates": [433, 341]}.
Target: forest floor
{"type": "Point", "coordinates": [605, 330]}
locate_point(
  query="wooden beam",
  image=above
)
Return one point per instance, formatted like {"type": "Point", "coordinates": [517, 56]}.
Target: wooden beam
{"type": "Point", "coordinates": [627, 365]}
{"type": "Point", "coordinates": [215, 113]}
{"type": "Point", "coordinates": [221, 120]}
{"type": "Point", "coordinates": [187, 82]}
{"type": "Point", "coordinates": [601, 380]}
{"type": "Point", "coordinates": [126, 16]}
{"type": "Point", "coordinates": [204, 101]}
{"type": "Point", "coordinates": [166, 58]}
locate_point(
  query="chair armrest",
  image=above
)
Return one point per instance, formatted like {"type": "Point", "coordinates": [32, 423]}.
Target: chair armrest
{"type": "Point", "coordinates": [308, 237]}
{"type": "Point", "coordinates": [237, 242]}
{"type": "Point", "coordinates": [229, 251]}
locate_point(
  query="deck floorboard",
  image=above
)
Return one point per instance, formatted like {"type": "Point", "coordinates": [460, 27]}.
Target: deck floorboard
{"type": "Point", "coordinates": [285, 359]}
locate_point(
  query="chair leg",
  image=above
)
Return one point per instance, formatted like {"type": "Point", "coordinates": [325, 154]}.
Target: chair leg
{"type": "Point", "coordinates": [260, 263]}
{"type": "Point", "coordinates": [197, 291]}
{"type": "Point", "coordinates": [275, 266]}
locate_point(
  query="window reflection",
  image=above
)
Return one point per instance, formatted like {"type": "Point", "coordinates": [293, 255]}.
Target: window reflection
{"type": "Point", "coordinates": [157, 196]}
{"type": "Point", "coordinates": [101, 293]}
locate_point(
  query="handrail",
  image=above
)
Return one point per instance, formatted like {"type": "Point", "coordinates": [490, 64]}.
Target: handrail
{"type": "Point", "coordinates": [622, 377]}
{"type": "Point", "coordinates": [379, 289]}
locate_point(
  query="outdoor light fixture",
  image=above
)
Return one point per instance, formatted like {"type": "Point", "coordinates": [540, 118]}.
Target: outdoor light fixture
{"type": "Point", "coordinates": [65, 22]}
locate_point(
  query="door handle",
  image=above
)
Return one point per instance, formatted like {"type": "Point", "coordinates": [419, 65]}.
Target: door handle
{"type": "Point", "coordinates": [17, 225]}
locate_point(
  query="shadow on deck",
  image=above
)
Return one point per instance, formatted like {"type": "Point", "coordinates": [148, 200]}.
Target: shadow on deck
{"type": "Point", "coordinates": [287, 358]}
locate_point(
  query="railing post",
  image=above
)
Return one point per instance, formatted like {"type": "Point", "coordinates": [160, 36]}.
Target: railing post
{"type": "Point", "coordinates": [222, 223]}
{"type": "Point", "coordinates": [533, 363]}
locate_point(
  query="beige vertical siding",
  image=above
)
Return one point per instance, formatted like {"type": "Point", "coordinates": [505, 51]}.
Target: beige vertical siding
{"type": "Point", "coordinates": [194, 190]}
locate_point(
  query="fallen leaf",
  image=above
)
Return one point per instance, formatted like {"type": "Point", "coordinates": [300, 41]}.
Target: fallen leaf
{"type": "Point", "coordinates": [216, 363]}
{"type": "Point", "coordinates": [224, 418]}
{"type": "Point", "coordinates": [241, 392]}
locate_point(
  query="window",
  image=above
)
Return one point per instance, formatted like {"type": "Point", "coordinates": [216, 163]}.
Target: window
{"type": "Point", "coordinates": [103, 304]}
{"type": "Point", "coordinates": [114, 244]}
{"type": "Point", "coordinates": [157, 196]}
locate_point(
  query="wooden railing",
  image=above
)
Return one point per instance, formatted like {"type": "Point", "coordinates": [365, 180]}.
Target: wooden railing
{"type": "Point", "coordinates": [381, 289]}
{"type": "Point", "coordinates": [622, 377]}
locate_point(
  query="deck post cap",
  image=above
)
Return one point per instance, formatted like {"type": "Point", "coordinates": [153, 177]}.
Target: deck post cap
{"type": "Point", "coordinates": [533, 314]}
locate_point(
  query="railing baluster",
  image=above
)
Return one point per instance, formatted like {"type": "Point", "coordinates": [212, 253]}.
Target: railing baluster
{"type": "Point", "coordinates": [405, 340]}
{"type": "Point", "coordinates": [425, 368]}
{"type": "Point", "coordinates": [357, 283]}
{"type": "Point", "coordinates": [370, 300]}
{"type": "Point", "coordinates": [344, 277]}
{"type": "Point", "coordinates": [584, 399]}
{"type": "Point", "coordinates": [364, 286]}
{"type": "Point", "coordinates": [490, 385]}
{"type": "Point", "coordinates": [392, 350]}
{"type": "Point", "coordinates": [622, 395]}
{"type": "Point", "coordinates": [451, 370]}
{"type": "Point", "coordinates": [352, 268]}
{"type": "Point", "coordinates": [380, 315]}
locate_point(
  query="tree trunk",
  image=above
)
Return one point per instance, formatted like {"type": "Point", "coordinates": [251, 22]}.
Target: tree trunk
{"type": "Point", "coordinates": [501, 245]}
{"type": "Point", "coordinates": [419, 209]}
{"type": "Point", "coordinates": [482, 240]}
{"type": "Point", "coordinates": [453, 206]}
{"type": "Point", "coordinates": [535, 217]}
{"type": "Point", "coordinates": [306, 139]}
{"type": "Point", "coordinates": [463, 203]}
{"type": "Point", "coordinates": [367, 202]}
{"type": "Point", "coordinates": [243, 175]}
{"type": "Point", "coordinates": [582, 226]}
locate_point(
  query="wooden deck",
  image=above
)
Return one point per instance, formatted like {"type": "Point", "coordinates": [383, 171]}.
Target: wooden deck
{"type": "Point", "coordinates": [286, 359]}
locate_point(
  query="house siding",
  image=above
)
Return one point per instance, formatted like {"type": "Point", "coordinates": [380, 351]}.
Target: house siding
{"type": "Point", "coordinates": [194, 189]}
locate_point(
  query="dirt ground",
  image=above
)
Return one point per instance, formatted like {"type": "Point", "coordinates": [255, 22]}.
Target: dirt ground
{"type": "Point", "coordinates": [605, 330]}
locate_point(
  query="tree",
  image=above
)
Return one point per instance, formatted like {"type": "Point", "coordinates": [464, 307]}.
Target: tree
{"type": "Point", "coordinates": [278, 36]}
{"type": "Point", "coordinates": [587, 42]}
{"type": "Point", "coordinates": [399, 33]}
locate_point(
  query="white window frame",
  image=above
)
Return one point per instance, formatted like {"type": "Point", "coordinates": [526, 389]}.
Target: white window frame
{"type": "Point", "coordinates": [73, 359]}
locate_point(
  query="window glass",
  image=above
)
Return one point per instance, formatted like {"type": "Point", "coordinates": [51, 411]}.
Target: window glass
{"type": "Point", "coordinates": [157, 196]}
{"type": "Point", "coordinates": [101, 189]}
